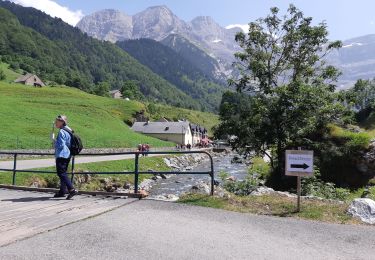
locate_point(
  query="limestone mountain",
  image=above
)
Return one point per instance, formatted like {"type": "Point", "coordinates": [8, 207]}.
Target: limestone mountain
{"type": "Point", "coordinates": [110, 25]}
{"type": "Point", "coordinates": [214, 38]}
{"type": "Point", "coordinates": [356, 59]}
{"type": "Point", "coordinates": [159, 23]}
{"type": "Point", "coordinates": [197, 56]}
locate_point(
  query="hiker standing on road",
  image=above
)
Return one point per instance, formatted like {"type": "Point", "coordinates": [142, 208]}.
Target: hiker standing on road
{"type": "Point", "coordinates": [63, 155]}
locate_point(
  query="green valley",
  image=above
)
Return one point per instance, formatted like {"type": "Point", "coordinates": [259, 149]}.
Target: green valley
{"type": "Point", "coordinates": [57, 52]}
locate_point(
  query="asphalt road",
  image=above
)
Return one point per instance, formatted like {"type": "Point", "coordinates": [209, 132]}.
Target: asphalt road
{"type": "Point", "coordinates": [42, 163]}
{"type": "Point", "coordinates": [160, 230]}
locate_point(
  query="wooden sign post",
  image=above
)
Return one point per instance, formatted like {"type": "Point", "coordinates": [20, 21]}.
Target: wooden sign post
{"type": "Point", "coordinates": [299, 163]}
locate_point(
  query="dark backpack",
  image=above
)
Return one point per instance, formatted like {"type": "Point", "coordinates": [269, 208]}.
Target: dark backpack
{"type": "Point", "coordinates": [76, 145]}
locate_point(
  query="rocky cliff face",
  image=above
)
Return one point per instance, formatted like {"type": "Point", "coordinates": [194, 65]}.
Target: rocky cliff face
{"type": "Point", "coordinates": [356, 60]}
{"type": "Point", "coordinates": [196, 56]}
{"type": "Point", "coordinates": [110, 25]}
{"type": "Point", "coordinates": [157, 23]}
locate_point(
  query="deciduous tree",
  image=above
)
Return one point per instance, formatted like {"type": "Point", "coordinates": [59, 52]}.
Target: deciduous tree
{"type": "Point", "coordinates": [285, 89]}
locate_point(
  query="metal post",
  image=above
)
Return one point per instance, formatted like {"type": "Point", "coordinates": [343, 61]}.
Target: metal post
{"type": "Point", "coordinates": [212, 175]}
{"type": "Point", "coordinates": [136, 169]}
{"type": "Point", "coordinates": [14, 169]}
{"type": "Point", "coordinates": [72, 178]}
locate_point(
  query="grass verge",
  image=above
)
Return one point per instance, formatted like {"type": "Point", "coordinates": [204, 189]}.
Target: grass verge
{"type": "Point", "coordinates": [274, 205]}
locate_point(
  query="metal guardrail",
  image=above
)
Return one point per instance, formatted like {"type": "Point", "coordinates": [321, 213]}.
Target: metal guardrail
{"type": "Point", "coordinates": [136, 171]}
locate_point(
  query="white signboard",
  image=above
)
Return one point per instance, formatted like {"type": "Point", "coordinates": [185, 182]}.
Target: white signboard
{"type": "Point", "coordinates": [299, 163]}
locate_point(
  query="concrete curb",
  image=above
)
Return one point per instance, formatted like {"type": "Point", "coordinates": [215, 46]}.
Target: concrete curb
{"type": "Point", "coordinates": [93, 193]}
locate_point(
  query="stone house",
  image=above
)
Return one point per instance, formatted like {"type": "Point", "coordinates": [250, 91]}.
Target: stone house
{"type": "Point", "coordinates": [115, 94]}
{"type": "Point", "coordinates": [30, 80]}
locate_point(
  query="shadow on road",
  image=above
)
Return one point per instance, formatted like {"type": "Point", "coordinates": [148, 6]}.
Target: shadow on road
{"type": "Point", "coordinates": [30, 199]}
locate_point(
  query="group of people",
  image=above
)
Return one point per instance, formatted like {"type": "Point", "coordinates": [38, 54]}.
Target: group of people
{"type": "Point", "coordinates": [183, 147]}
{"type": "Point", "coordinates": [144, 148]}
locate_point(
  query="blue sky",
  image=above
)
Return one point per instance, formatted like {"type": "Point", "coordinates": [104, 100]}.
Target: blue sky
{"type": "Point", "coordinates": [345, 18]}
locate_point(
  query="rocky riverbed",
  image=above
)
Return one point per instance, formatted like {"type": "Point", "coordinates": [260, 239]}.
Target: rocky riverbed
{"type": "Point", "coordinates": [171, 187]}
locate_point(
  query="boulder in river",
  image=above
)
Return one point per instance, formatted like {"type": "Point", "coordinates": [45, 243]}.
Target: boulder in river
{"type": "Point", "coordinates": [231, 178]}
{"type": "Point", "coordinates": [201, 188]}
{"type": "Point", "coordinates": [363, 209]}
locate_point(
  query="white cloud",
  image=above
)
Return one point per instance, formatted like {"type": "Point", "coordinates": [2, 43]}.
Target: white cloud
{"type": "Point", "coordinates": [53, 9]}
{"type": "Point", "coordinates": [244, 27]}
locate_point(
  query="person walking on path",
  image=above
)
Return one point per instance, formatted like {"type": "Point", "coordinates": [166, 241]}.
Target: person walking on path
{"type": "Point", "coordinates": [63, 155]}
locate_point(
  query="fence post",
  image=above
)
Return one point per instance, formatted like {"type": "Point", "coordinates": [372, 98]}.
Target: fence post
{"type": "Point", "coordinates": [136, 169]}
{"type": "Point", "coordinates": [14, 169]}
{"type": "Point", "coordinates": [212, 175]}
{"type": "Point", "coordinates": [72, 178]}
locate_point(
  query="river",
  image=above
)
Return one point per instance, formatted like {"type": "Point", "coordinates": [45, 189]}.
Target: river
{"type": "Point", "coordinates": [181, 183]}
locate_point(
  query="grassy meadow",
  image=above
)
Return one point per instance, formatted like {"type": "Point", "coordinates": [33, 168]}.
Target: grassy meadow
{"type": "Point", "coordinates": [27, 113]}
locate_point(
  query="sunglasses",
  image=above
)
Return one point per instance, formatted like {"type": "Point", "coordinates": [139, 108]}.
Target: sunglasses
{"type": "Point", "coordinates": [59, 118]}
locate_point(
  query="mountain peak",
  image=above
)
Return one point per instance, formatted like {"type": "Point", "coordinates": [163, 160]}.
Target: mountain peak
{"type": "Point", "coordinates": [157, 22]}
{"type": "Point", "coordinates": [159, 7]}
{"type": "Point", "coordinates": [109, 13]}
{"type": "Point", "coordinates": [203, 19]}
{"type": "Point", "coordinates": [108, 24]}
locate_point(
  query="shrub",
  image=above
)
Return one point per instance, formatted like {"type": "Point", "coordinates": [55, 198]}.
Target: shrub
{"type": "Point", "coordinates": [242, 188]}
{"type": "Point", "coordinates": [223, 175]}
{"type": "Point", "coordinates": [259, 168]}
{"type": "Point", "coordinates": [338, 154]}
{"type": "Point", "coordinates": [2, 75]}
{"type": "Point", "coordinates": [314, 186]}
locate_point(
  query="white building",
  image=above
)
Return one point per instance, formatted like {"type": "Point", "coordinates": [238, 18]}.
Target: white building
{"type": "Point", "coordinates": [177, 132]}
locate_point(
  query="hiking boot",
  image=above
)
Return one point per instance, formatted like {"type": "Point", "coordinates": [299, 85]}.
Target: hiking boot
{"type": "Point", "coordinates": [72, 194]}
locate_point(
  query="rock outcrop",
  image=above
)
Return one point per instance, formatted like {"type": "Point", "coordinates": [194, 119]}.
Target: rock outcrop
{"type": "Point", "coordinates": [364, 209]}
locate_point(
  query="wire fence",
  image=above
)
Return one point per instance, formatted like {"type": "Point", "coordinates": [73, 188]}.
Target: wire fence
{"type": "Point", "coordinates": [136, 171]}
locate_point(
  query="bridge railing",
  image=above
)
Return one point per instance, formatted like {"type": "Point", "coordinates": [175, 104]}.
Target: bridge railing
{"type": "Point", "coordinates": [136, 171]}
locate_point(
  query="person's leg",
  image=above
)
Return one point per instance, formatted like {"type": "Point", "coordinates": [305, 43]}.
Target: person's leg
{"type": "Point", "coordinates": [63, 189]}
{"type": "Point", "coordinates": [62, 168]}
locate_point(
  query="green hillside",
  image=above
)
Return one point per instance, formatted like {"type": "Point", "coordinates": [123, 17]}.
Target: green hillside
{"type": "Point", "coordinates": [9, 74]}
{"type": "Point", "coordinates": [206, 119]}
{"type": "Point", "coordinates": [176, 69]}
{"type": "Point", "coordinates": [27, 113]}
{"type": "Point", "coordinates": [37, 43]}
{"type": "Point", "coordinates": [198, 57]}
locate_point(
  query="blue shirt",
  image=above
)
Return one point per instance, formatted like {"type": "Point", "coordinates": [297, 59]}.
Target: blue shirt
{"type": "Point", "coordinates": [62, 144]}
